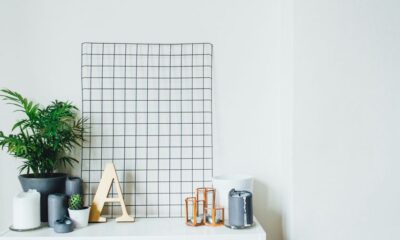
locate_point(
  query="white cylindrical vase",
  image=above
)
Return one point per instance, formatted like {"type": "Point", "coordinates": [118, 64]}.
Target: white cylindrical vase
{"type": "Point", "coordinates": [26, 210]}
{"type": "Point", "coordinates": [224, 183]}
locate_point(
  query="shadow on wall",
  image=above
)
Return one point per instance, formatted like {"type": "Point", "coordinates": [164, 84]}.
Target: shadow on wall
{"type": "Point", "coordinates": [269, 217]}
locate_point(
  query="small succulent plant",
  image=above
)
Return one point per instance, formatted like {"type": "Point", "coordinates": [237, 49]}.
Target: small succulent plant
{"type": "Point", "coordinates": [76, 202]}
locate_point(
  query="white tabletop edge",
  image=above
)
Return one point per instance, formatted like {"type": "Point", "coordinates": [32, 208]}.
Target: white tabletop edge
{"type": "Point", "coordinates": [143, 229]}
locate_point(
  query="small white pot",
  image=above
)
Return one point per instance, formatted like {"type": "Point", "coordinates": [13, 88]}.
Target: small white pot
{"type": "Point", "coordinates": [80, 217]}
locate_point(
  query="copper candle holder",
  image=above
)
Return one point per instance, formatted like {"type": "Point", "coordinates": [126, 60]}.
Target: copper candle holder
{"type": "Point", "coordinates": [194, 210]}
{"type": "Point", "coordinates": [214, 216]}
{"type": "Point", "coordinates": [201, 210]}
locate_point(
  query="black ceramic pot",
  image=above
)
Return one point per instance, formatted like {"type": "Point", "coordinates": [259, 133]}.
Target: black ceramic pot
{"type": "Point", "coordinates": [53, 183]}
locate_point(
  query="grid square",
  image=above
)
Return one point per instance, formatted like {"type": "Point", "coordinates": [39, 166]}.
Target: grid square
{"type": "Point", "coordinates": [152, 175]}
{"type": "Point", "coordinates": [176, 71]}
{"type": "Point", "coordinates": [187, 187]}
{"type": "Point", "coordinates": [176, 49]}
{"type": "Point", "coordinates": [108, 60]}
{"type": "Point", "coordinates": [130, 60]}
{"type": "Point", "coordinates": [176, 83]}
{"type": "Point", "coordinates": [175, 211]}
{"type": "Point", "coordinates": [165, 73]}
{"type": "Point", "coordinates": [152, 117]}
{"type": "Point", "coordinates": [164, 199]}
{"type": "Point", "coordinates": [163, 175]}
{"type": "Point", "coordinates": [197, 175]}
{"type": "Point", "coordinates": [152, 153]}
{"type": "Point", "coordinates": [152, 199]}
{"type": "Point", "coordinates": [164, 187]}
{"type": "Point", "coordinates": [176, 198]}
{"type": "Point", "coordinates": [198, 60]}
{"type": "Point", "coordinates": [149, 109]}
{"type": "Point", "coordinates": [120, 48]}
{"type": "Point", "coordinates": [164, 165]}
{"type": "Point", "coordinates": [175, 186]}
{"type": "Point", "coordinates": [187, 49]}
{"type": "Point", "coordinates": [164, 210]}
{"type": "Point", "coordinates": [187, 164]}
{"type": "Point", "coordinates": [141, 164]}
{"type": "Point", "coordinates": [131, 49]}
{"type": "Point", "coordinates": [130, 117]}
{"type": "Point", "coordinates": [175, 106]}
{"type": "Point", "coordinates": [187, 60]}
{"type": "Point", "coordinates": [175, 164]}
{"type": "Point", "coordinates": [164, 95]}
{"type": "Point", "coordinates": [198, 164]}
{"type": "Point", "coordinates": [175, 176]}
{"type": "Point", "coordinates": [97, 48]}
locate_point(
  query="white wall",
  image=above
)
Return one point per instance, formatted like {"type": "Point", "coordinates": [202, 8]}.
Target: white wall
{"type": "Point", "coordinates": [346, 120]}
{"type": "Point", "coordinates": [40, 57]}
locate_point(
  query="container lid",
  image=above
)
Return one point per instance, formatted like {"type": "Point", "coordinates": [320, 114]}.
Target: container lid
{"type": "Point", "coordinates": [31, 193]}
{"type": "Point", "coordinates": [57, 195]}
{"type": "Point", "coordinates": [239, 194]}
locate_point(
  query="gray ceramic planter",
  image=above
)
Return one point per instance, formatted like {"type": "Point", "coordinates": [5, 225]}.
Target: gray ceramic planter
{"type": "Point", "coordinates": [54, 183]}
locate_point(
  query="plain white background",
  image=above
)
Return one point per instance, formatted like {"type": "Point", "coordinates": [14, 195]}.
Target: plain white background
{"type": "Point", "coordinates": [346, 120]}
{"type": "Point", "coordinates": [306, 96]}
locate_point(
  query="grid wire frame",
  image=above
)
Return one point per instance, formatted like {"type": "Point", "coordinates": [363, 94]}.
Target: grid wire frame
{"type": "Point", "coordinates": [149, 111]}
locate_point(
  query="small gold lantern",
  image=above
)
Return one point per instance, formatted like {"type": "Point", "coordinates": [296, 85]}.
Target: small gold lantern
{"type": "Point", "coordinates": [214, 216]}
{"type": "Point", "coordinates": [194, 210]}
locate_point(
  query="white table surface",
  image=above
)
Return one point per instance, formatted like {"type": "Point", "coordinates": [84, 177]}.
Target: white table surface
{"type": "Point", "coordinates": [143, 229]}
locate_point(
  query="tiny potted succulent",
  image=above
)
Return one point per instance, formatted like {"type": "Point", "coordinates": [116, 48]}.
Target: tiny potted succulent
{"type": "Point", "coordinates": [43, 139]}
{"type": "Point", "coordinates": [77, 212]}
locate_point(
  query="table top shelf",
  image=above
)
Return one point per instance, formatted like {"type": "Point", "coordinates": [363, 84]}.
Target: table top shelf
{"type": "Point", "coordinates": [143, 229]}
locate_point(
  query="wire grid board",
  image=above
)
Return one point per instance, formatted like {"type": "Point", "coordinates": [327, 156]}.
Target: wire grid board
{"type": "Point", "coordinates": [149, 111]}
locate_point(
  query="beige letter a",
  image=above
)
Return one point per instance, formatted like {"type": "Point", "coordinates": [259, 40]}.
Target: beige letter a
{"type": "Point", "coordinates": [109, 175]}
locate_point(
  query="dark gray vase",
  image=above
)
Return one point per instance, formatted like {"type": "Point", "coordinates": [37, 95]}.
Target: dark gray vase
{"type": "Point", "coordinates": [73, 185]}
{"type": "Point", "coordinates": [53, 183]}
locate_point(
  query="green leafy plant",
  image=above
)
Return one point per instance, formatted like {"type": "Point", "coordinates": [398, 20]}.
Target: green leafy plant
{"type": "Point", "coordinates": [75, 202]}
{"type": "Point", "coordinates": [45, 136]}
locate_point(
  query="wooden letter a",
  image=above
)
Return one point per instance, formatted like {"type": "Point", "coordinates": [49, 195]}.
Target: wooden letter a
{"type": "Point", "coordinates": [101, 197]}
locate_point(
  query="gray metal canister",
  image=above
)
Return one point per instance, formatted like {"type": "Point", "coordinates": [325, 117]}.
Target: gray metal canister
{"type": "Point", "coordinates": [240, 209]}
{"type": "Point", "coordinates": [57, 207]}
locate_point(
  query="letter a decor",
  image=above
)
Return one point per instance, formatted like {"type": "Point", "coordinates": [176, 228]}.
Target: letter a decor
{"type": "Point", "coordinates": [101, 197]}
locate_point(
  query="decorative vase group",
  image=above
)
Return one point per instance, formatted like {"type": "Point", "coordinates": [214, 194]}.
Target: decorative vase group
{"type": "Point", "coordinates": [54, 192]}
{"type": "Point", "coordinates": [54, 183]}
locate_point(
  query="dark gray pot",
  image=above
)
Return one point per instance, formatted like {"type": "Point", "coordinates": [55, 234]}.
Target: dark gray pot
{"type": "Point", "coordinates": [73, 185]}
{"type": "Point", "coordinates": [53, 183]}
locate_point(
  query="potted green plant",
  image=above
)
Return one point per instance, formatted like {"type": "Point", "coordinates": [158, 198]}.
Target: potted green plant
{"type": "Point", "coordinates": [43, 139]}
{"type": "Point", "coordinates": [77, 212]}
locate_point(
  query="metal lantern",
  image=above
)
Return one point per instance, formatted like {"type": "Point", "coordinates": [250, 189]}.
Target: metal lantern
{"type": "Point", "coordinates": [194, 210]}
{"type": "Point", "coordinates": [214, 216]}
